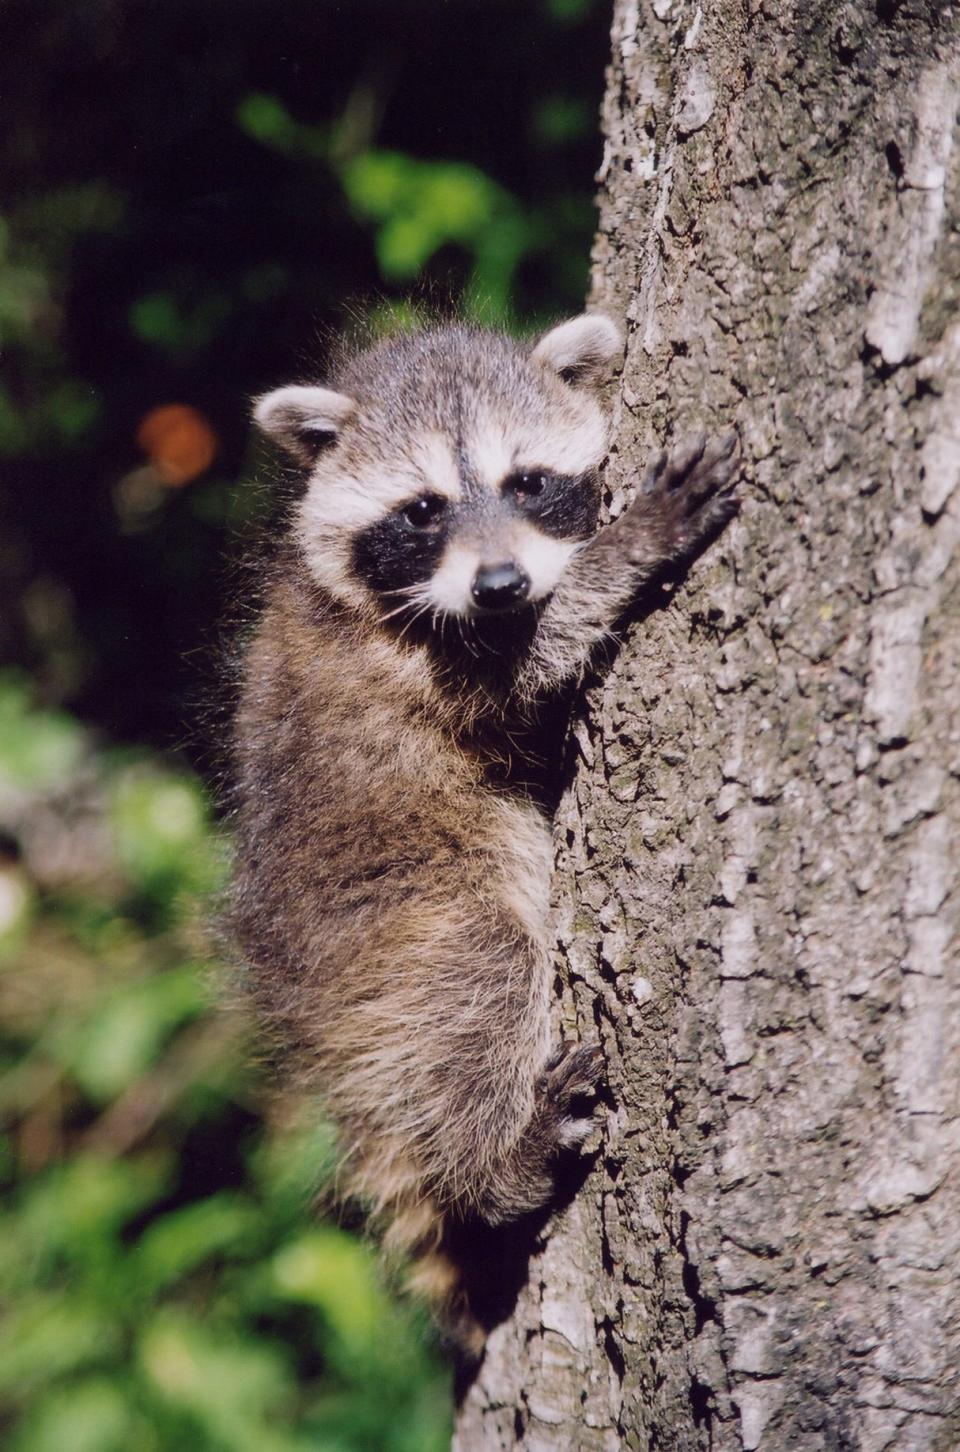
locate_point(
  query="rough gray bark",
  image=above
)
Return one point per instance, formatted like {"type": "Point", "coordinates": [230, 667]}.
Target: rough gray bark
{"type": "Point", "coordinates": [756, 859]}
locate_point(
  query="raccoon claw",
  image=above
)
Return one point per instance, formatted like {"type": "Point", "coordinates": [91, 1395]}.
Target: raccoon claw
{"type": "Point", "coordinates": [669, 470]}
{"type": "Point", "coordinates": [571, 1074]}
{"type": "Point", "coordinates": [696, 472]}
{"type": "Point", "coordinates": [691, 490]}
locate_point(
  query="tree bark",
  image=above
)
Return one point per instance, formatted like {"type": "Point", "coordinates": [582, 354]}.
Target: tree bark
{"type": "Point", "coordinates": [756, 857]}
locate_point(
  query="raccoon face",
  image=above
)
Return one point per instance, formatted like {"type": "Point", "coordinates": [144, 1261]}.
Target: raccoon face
{"type": "Point", "coordinates": [456, 471]}
{"type": "Point", "coordinates": [491, 545]}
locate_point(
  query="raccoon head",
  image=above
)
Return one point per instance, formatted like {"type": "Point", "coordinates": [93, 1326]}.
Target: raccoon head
{"type": "Point", "coordinates": [452, 471]}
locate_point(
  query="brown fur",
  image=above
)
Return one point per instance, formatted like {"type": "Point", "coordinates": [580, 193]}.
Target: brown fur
{"type": "Point", "coordinates": [391, 889]}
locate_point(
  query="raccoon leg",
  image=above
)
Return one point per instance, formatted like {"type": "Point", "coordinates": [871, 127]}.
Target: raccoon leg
{"type": "Point", "coordinates": [525, 1178]}
{"type": "Point", "coordinates": [683, 503]}
{"type": "Point", "coordinates": [473, 1272]}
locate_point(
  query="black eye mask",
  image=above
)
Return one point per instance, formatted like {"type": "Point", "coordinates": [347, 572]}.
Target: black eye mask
{"type": "Point", "coordinates": [404, 549]}
{"type": "Point", "coordinates": [396, 554]}
{"type": "Point", "coordinates": [563, 506]}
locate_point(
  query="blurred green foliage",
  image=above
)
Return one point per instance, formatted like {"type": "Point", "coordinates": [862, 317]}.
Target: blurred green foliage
{"type": "Point", "coordinates": [163, 1280]}
{"type": "Point", "coordinates": [418, 207]}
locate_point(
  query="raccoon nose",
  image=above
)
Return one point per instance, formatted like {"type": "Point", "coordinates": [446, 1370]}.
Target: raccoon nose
{"type": "Point", "coordinates": [500, 587]}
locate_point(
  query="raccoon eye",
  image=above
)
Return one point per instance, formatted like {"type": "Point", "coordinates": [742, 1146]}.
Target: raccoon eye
{"type": "Point", "coordinates": [424, 511]}
{"type": "Point", "coordinates": [526, 486]}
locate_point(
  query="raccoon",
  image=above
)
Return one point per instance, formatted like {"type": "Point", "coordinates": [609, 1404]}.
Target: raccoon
{"type": "Point", "coordinates": [443, 580]}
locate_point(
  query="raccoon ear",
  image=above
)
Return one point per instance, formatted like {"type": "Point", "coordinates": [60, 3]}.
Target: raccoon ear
{"type": "Point", "coordinates": [581, 350]}
{"type": "Point", "coordinates": [303, 419]}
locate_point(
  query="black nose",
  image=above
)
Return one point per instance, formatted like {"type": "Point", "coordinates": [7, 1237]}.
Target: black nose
{"type": "Point", "coordinates": [500, 587]}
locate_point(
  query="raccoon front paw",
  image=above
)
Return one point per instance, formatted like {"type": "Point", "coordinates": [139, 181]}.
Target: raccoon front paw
{"type": "Point", "coordinates": [688, 494]}
{"type": "Point", "coordinates": [571, 1075]}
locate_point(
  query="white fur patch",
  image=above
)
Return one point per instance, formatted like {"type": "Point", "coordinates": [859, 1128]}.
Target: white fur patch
{"type": "Point", "coordinates": [451, 586]}
{"type": "Point", "coordinates": [490, 453]}
{"type": "Point", "coordinates": [332, 510]}
{"type": "Point", "coordinates": [574, 1131]}
{"type": "Point", "coordinates": [542, 557]}
{"type": "Point", "coordinates": [287, 413]}
{"type": "Point", "coordinates": [432, 459]}
{"type": "Point", "coordinates": [588, 343]}
{"type": "Point", "coordinates": [560, 444]}
{"type": "Point", "coordinates": [564, 446]}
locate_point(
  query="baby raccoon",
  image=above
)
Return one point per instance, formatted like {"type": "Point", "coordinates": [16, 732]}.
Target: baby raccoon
{"type": "Point", "coordinates": [443, 577]}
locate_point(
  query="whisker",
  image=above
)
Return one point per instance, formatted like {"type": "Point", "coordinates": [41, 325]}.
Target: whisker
{"type": "Point", "coordinates": [417, 588]}
{"type": "Point", "coordinates": [484, 644]}
{"type": "Point", "coordinates": [416, 594]}
{"type": "Point", "coordinates": [397, 610]}
{"type": "Point", "coordinates": [417, 614]}
{"type": "Point", "coordinates": [466, 631]}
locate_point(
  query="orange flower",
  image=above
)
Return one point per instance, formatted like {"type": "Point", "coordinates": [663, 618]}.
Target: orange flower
{"type": "Point", "coordinates": [178, 441]}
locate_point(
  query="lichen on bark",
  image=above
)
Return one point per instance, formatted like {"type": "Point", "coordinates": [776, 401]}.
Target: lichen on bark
{"type": "Point", "coordinates": [757, 868]}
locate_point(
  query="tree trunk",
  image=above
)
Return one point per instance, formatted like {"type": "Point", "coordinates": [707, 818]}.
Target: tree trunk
{"type": "Point", "coordinates": [756, 864]}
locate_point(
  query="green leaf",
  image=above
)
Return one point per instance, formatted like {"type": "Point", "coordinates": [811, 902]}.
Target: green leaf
{"type": "Point", "coordinates": [225, 1225]}
{"type": "Point", "coordinates": [420, 206]}
{"type": "Point", "coordinates": [290, 1168]}
{"type": "Point", "coordinates": [268, 121]}
{"type": "Point", "coordinates": [93, 1415]}
{"type": "Point", "coordinates": [161, 831]}
{"type": "Point", "coordinates": [559, 119]}
{"type": "Point", "coordinates": [76, 1209]}
{"type": "Point", "coordinates": [234, 1387]}
{"type": "Point", "coordinates": [340, 1276]}
{"type": "Point", "coordinates": [72, 408]}
{"type": "Point", "coordinates": [569, 12]}
{"type": "Point", "coordinates": [176, 326]}
{"type": "Point", "coordinates": [46, 1335]}
{"type": "Point", "coordinates": [123, 1036]}
{"type": "Point", "coordinates": [38, 749]}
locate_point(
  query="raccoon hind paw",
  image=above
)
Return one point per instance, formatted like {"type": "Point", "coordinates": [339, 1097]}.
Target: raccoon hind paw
{"type": "Point", "coordinates": [569, 1079]}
